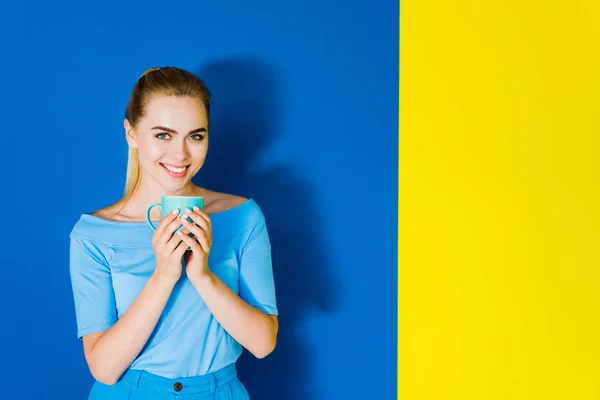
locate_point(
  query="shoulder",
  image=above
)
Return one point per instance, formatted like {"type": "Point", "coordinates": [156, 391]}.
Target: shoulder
{"type": "Point", "coordinates": [217, 202]}
{"type": "Point", "coordinates": [89, 222]}
{"type": "Point", "coordinates": [85, 230]}
{"type": "Point", "coordinates": [245, 211]}
{"type": "Point", "coordinates": [233, 215]}
{"type": "Point", "coordinates": [111, 213]}
{"type": "Point", "coordinates": [104, 213]}
{"type": "Point", "coordinates": [85, 246]}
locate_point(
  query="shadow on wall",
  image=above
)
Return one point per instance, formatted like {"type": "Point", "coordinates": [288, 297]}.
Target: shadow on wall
{"type": "Point", "coordinates": [245, 122]}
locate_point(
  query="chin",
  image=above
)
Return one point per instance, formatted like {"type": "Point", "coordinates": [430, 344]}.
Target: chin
{"type": "Point", "coordinates": [175, 188]}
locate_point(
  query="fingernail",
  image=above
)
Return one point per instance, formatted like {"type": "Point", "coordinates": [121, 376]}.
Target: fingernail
{"type": "Point", "coordinates": [196, 208]}
{"type": "Point", "coordinates": [184, 220]}
{"type": "Point", "coordinates": [175, 211]}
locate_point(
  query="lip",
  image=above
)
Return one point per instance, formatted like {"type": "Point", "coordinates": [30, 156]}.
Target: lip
{"type": "Point", "coordinates": [172, 174]}
{"type": "Point", "coordinates": [176, 165]}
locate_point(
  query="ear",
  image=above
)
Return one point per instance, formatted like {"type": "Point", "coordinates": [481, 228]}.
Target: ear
{"type": "Point", "coordinates": [130, 134]}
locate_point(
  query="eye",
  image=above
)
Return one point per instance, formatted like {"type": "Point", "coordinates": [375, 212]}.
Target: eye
{"type": "Point", "coordinates": [162, 136]}
{"type": "Point", "coordinates": [196, 137]}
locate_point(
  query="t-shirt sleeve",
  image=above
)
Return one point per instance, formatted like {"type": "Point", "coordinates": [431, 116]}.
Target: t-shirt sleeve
{"type": "Point", "coordinates": [91, 281]}
{"type": "Point", "coordinates": [257, 286]}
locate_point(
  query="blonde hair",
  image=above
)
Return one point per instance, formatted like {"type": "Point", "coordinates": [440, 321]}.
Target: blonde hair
{"type": "Point", "coordinates": [169, 81]}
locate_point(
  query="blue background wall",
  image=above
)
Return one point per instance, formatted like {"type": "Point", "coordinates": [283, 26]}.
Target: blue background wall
{"type": "Point", "coordinates": [305, 122]}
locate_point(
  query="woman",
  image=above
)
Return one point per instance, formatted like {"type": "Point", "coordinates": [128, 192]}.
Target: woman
{"type": "Point", "coordinates": [157, 321]}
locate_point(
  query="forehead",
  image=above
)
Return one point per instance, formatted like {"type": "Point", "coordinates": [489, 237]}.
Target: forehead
{"type": "Point", "coordinates": [175, 112]}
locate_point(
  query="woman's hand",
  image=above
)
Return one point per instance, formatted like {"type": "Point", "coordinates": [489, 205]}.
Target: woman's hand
{"type": "Point", "coordinates": [168, 253]}
{"type": "Point", "coordinates": [197, 259]}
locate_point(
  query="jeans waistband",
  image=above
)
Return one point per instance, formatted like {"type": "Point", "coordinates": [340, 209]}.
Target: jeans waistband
{"type": "Point", "coordinates": [196, 384]}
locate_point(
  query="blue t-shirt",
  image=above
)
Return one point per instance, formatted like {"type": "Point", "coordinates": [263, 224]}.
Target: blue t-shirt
{"type": "Point", "coordinates": [111, 261]}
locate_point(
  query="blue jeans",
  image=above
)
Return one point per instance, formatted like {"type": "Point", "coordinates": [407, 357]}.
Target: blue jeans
{"type": "Point", "coordinates": [140, 385]}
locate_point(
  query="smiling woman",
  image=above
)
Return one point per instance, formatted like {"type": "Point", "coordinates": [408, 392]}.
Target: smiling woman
{"type": "Point", "coordinates": [156, 319]}
{"type": "Point", "coordinates": [180, 141]}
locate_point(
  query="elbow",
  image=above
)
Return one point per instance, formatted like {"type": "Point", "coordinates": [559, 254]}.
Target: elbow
{"type": "Point", "coordinates": [106, 379]}
{"type": "Point", "coordinates": [99, 366]}
{"type": "Point", "coordinates": [266, 349]}
{"type": "Point", "coordinates": [103, 375]}
{"type": "Point", "coordinates": [267, 345]}
{"type": "Point", "coordinates": [108, 382]}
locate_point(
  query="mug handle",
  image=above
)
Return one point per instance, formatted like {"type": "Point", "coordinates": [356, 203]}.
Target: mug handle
{"type": "Point", "coordinates": [148, 214]}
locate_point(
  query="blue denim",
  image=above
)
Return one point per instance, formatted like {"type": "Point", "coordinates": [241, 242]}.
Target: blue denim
{"type": "Point", "coordinates": [140, 385]}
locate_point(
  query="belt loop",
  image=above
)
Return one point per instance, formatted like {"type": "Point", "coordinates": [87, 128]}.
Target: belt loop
{"type": "Point", "coordinates": [137, 379]}
{"type": "Point", "coordinates": [212, 384]}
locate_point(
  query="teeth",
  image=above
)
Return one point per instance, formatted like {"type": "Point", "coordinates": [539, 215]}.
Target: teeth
{"type": "Point", "coordinates": [176, 170]}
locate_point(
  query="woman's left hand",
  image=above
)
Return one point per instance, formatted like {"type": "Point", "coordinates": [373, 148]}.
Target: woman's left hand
{"type": "Point", "coordinates": [196, 259]}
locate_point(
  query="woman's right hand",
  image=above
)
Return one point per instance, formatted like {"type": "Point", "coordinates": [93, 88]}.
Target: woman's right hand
{"type": "Point", "coordinates": [168, 253]}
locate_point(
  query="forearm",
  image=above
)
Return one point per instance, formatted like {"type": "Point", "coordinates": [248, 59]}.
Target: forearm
{"type": "Point", "coordinates": [115, 349]}
{"type": "Point", "coordinates": [250, 327]}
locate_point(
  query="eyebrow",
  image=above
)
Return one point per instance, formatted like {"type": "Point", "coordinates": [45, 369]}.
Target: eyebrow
{"type": "Point", "coordinates": [162, 128]}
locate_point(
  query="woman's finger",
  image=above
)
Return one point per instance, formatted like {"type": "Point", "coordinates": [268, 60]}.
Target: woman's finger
{"type": "Point", "coordinates": [171, 245]}
{"type": "Point", "coordinates": [203, 214]}
{"type": "Point", "coordinates": [192, 244]}
{"type": "Point", "coordinates": [183, 246]}
{"type": "Point", "coordinates": [200, 234]}
{"type": "Point", "coordinates": [198, 220]}
{"type": "Point", "coordinates": [166, 221]}
{"type": "Point", "coordinates": [168, 231]}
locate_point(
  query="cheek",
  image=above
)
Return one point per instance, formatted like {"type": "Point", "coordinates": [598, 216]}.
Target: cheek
{"type": "Point", "coordinates": [199, 152]}
{"type": "Point", "coordinates": [151, 151]}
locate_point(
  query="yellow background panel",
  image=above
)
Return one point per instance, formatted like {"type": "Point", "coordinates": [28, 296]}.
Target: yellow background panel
{"type": "Point", "coordinates": [499, 222]}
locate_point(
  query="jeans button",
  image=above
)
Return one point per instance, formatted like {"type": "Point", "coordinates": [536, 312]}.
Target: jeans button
{"type": "Point", "coordinates": [177, 386]}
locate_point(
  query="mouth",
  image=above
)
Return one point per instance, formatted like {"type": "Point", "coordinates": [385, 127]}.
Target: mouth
{"type": "Point", "coordinates": [175, 171]}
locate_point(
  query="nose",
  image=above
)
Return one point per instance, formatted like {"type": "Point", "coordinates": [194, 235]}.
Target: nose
{"type": "Point", "coordinates": [179, 150]}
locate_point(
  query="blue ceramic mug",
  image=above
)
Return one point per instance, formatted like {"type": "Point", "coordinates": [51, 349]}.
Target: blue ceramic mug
{"type": "Point", "coordinates": [169, 203]}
